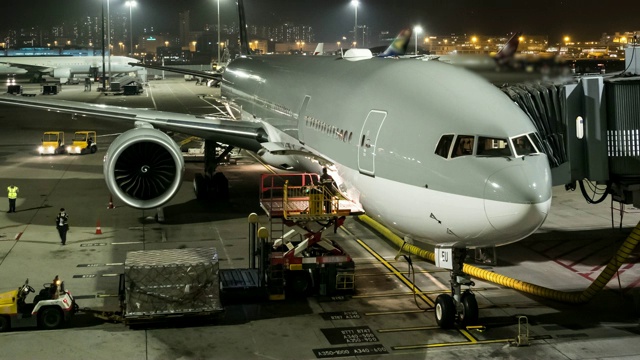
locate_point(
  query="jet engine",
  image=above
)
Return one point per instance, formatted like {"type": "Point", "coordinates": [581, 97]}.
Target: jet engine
{"type": "Point", "coordinates": [62, 73]}
{"type": "Point", "coordinates": [143, 168]}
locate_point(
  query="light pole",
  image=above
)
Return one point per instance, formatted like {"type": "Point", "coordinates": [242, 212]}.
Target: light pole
{"type": "Point", "coordinates": [109, 42]}
{"type": "Point", "coordinates": [218, 46]}
{"type": "Point", "coordinates": [355, 26]}
{"type": "Point", "coordinates": [417, 30]}
{"type": "Point", "coordinates": [130, 4]}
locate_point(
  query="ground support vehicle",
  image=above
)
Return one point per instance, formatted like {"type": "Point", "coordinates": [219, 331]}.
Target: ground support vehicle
{"type": "Point", "coordinates": [167, 285]}
{"type": "Point", "coordinates": [50, 309]}
{"type": "Point", "coordinates": [52, 142]}
{"type": "Point", "coordinates": [299, 261]}
{"type": "Point", "coordinates": [84, 142]}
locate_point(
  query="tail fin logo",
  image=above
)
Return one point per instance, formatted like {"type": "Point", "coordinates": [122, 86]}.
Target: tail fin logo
{"type": "Point", "coordinates": [399, 45]}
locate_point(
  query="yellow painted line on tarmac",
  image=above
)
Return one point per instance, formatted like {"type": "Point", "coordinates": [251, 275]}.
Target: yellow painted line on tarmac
{"type": "Point", "coordinates": [393, 312]}
{"type": "Point", "coordinates": [415, 328]}
{"type": "Point", "coordinates": [394, 294]}
{"type": "Point", "coordinates": [393, 270]}
{"type": "Point", "coordinates": [106, 295]}
{"type": "Point", "coordinates": [468, 336]}
{"type": "Point", "coordinates": [455, 343]}
{"type": "Point", "coordinates": [402, 272]}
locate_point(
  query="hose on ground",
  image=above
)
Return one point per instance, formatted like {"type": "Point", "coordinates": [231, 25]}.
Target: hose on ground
{"type": "Point", "coordinates": [569, 297]}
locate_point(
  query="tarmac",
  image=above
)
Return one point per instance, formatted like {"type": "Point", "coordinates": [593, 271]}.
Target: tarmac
{"type": "Point", "coordinates": [383, 319]}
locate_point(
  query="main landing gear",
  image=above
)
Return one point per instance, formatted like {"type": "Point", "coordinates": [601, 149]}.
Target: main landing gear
{"type": "Point", "coordinates": [461, 306]}
{"type": "Point", "coordinates": [212, 185]}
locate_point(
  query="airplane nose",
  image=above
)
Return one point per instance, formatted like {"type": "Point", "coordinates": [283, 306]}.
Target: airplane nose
{"type": "Point", "coordinates": [518, 198]}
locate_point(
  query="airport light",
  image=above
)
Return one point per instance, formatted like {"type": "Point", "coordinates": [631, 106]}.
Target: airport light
{"type": "Point", "coordinates": [130, 4]}
{"type": "Point", "coordinates": [218, 45]}
{"type": "Point", "coordinates": [355, 4]}
{"type": "Point", "coordinates": [417, 30]}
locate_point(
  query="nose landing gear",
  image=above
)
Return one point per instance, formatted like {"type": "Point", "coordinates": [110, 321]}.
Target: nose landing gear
{"type": "Point", "coordinates": [461, 306]}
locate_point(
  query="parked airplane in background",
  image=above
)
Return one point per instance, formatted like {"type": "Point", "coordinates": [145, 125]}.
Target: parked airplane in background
{"type": "Point", "coordinates": [441, 156]}
{"type": "Point", "coordinates": [482, 62]}
{"type": "Point", "coordinates": [398, 46]}
{"type": "Point", "coordinates": [65, 67]}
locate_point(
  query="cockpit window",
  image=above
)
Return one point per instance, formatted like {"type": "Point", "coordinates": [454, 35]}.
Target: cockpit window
{"type": "Point", "coordinates": [535, 138]}
{"type": "Point", "coordinates": [496, 147]}
{"type": "Point", "coordinates": [444, 145]}
{"type": "Point", "coordinates": [523, 145]}
{"type": "Point", "coordinates": [463, 146]}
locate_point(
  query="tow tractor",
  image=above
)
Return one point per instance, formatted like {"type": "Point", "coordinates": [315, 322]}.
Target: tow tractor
{"type": "Point", "coordinates": [84, 142]}
{"type": "Point", "coordinates": [51, 308]}
{"type": "Point", "coordinates": [52, 143]}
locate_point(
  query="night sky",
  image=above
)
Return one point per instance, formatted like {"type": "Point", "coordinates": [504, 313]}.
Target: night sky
{"type": "Point", "coordinates": [331, 19]}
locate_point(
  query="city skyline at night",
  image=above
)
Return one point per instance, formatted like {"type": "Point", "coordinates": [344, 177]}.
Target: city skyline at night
{"type": "Point", "coordinates": [333, 19]}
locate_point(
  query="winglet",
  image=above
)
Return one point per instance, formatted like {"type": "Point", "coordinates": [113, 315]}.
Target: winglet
{"type": "Point", "coordinates": [244, 40]}
{"type": "Point", "coordinates": [509, 49]}
{"type": "Point", "coordinates": [398, 45]}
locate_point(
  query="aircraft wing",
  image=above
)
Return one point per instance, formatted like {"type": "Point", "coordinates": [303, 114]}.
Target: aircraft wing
{"type": "Point", "coordinates": [246, 134]}
{"type": "Point", "coordinates": [29, 68]}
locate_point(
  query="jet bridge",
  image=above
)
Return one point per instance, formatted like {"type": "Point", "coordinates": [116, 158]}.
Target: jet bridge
{"type": "Point", "coordinates": [590, 127]}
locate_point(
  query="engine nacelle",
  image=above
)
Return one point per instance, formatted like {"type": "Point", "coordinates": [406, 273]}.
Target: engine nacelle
{"type": "Point", "coordinates": [63, 73]}
{"type": "Point", "coordinates": [143, 168]}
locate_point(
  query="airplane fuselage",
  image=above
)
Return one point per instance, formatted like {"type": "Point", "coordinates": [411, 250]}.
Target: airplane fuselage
{"type": "Point", "coordinates": [67, 66]}
{"type": "Point", "coordinates": [380, 121]}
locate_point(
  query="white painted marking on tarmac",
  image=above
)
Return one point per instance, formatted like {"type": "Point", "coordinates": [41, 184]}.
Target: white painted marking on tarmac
{"type": "Point", "coordinates": [114, 264]}
{"type": "Point", "coordinates": [437, 282]}
{"type": "Point", "coordinates": [150, 92]}
{"type": "Point", "coordinates": [224, 248]}
{"type": "Point", "coordinates": [127, 243]}
{"type": "Point", "coordinates": [110, 275]}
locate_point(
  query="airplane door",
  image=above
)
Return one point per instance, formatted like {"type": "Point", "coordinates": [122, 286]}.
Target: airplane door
{"type": "Point", "coordinates": [368, 140]}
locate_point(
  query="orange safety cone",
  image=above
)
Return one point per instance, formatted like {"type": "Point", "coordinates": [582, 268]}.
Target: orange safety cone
{"type": "Point", "coordinates": [98, 230]}
{"type": "Point", "coordinates": [110, 206]}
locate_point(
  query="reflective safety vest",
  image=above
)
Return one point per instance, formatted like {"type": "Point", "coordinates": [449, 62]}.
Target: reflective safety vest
{"type": "Point", "coordinates": [13, 192]}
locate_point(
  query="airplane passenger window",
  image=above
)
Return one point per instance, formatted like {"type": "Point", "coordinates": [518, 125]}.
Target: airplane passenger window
{"type": "Point", "coordinates": [463, 146]}
{"type": "Point", "coordinates": [523, 145]}
{"type": "Point", "coordinates": [444, 145]}
{"type": "Point", "coordinates": [496, 147]}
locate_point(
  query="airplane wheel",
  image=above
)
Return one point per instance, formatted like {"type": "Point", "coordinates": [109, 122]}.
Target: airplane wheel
{"type": "Point", "coordinates": [50, 318]}
{"type": "Point", "coordinates": [200, 187]}
{"type": "Point", "coordinates": [469, 314]}
{"type": "Point", "coordinates": [299, 284]}
{"type": "Point", "coordinates": [5, 325]}
{"type": "Point", "coordinates": [445, 311]}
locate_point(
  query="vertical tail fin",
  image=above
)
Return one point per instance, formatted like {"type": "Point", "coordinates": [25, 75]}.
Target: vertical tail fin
{"type": "Point", "coordinates": [509, 49]}
{"type": "Point", "coordinates": [399, 44]}
{"type": "Point", "coordinates": [319, 49]}
{"type": "Point", "coordinates": [244, 40]}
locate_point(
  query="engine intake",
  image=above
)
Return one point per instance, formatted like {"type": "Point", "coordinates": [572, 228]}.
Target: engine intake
{"type": "Point", "coordinates": [143, 168]}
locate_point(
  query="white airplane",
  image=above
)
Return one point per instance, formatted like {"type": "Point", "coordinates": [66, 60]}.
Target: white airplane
{"type": "Point", "coordinates": [432, 151]}
{"type": "Point", "coordinates": [65, 67]}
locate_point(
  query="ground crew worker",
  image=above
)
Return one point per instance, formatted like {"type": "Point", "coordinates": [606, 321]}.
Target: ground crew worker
{"type": "Point", "coordinates": [87, 84]}
{"type": "Point", "coordinates": [12, 194]}
{"type": "Point", "coordinates": [62, 224]}
{"type": "Point", "coordinates": [328, 184]}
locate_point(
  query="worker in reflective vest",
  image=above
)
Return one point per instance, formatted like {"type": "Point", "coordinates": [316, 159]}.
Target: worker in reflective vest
{"type": "Point", "coordinates": [12, 191]}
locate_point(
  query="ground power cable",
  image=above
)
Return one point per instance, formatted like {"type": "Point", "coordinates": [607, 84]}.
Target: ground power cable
{"type": "Point", "coordinates": [568, 297]}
